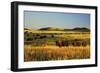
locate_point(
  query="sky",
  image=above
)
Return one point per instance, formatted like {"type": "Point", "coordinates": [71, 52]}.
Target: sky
{"type": "Point", "coordinates": [37, 20]}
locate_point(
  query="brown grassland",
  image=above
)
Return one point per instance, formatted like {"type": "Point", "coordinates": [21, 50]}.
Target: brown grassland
{"type": "Point", "coordinates": [64, 53]}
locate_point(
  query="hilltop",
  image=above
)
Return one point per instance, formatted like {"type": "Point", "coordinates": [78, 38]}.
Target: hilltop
{"type": "Point", "coordinates": [80, 29]}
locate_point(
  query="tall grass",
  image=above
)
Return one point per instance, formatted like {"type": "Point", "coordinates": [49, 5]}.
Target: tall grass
{"type": "Point", "coordinates": [56, 53]}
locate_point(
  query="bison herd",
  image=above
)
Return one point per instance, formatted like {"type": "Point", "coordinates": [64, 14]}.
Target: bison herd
{"type": "Point", "coordinates": [75, 42]}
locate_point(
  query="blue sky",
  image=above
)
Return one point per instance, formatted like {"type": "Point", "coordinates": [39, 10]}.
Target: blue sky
{"type": "Point", "coordinates": [36, 20]}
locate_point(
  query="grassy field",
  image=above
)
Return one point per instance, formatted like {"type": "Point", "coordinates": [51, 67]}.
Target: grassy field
{"type": "Point", "coordinates": [55, 53]}
{"type": "Point", "coordinates": [35, 48]}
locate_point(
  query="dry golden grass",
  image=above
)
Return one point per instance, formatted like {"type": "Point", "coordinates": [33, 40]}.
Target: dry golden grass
{"type": "Point", "coordinates": [49, 53]}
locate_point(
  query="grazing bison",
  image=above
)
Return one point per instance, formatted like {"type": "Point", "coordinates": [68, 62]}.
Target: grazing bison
{"type": "Point", "coordinates": [75, 42]}
{"type": "Point", "coordinates": [62, 43]}
{"type": "Point", "coordinates": [59, 43]}
{"type": "Point", "coordinates": [66, 43]}
{"type": "Point", "coordinates": [84, 43]}
{"type": "Point", "coordinates": [79, 42]}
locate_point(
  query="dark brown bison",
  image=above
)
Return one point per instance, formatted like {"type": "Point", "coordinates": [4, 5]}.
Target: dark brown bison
{"type": "Point", "coordinates": [66, 43]}
{"type": "Point", "coordinates": [76, 42]}
{"type": "Point", "coordinates": [59, 43]}
{"type": "Point", "coordinates": [62, 43]}
{"type": "Point", "coordinates": [79, 42]}
{"type": "Point", "coordinates": [84, 43]}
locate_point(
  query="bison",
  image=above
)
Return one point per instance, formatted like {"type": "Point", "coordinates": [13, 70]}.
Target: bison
{"type": "Point", "coordinates": [84, 43]}
{"type": "Point", "coordinates": [79, 42]}
{"type": "Point", "coordinates": [61, 43]}
{"type": "Point", "coordinates": [76, 42]}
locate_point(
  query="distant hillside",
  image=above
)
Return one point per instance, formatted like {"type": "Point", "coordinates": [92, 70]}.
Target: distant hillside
{"type": "Point", "coordinates": [51, 29]}
{"type": "Point", "coordinates": [81, 29]}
